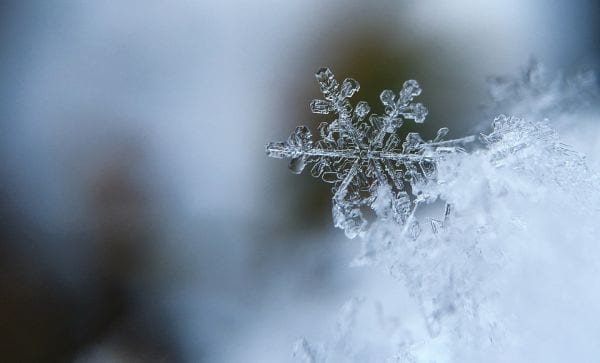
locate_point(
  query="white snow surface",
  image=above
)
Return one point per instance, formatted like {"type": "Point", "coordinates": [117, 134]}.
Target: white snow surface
{"type": "Point", "coordinates": [510, 275]}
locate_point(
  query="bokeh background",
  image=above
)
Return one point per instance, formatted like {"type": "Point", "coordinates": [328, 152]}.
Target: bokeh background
{"type": "Point", "coordinates": [140, 220]}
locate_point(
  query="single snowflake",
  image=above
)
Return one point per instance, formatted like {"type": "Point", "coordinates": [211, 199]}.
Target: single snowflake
{"type": "Point", "coordinates": [365, 158]}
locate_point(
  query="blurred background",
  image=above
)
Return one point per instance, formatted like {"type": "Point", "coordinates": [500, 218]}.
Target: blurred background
{"type": "Point", "coordinates": [140, 220]}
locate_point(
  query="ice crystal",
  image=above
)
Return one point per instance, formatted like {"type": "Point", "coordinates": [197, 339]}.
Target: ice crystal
{"type": "Point", "coordinates": [571, 103]}
{"type": "Point", "coordinates": [365, 159]}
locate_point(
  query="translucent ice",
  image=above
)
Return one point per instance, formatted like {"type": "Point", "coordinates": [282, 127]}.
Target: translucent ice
{"type": "Point", "coordinates": [360, 157]}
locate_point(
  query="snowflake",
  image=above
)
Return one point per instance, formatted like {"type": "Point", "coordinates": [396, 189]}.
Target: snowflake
{"type": "Point", "coordinates": [364, 157]}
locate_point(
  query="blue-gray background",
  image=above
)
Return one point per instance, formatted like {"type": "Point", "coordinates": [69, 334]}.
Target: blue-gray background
{"type": "Point", "coordinates": [139, 217]}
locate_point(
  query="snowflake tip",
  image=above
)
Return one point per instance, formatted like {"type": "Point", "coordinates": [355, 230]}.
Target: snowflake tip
{"type": "Point", "coordinates": [296, 145]}
{"type": "Point", "coordinates": [327, 82]}
{"type": "Point", "coordinates": [349, 87]}
{"type": "Point", "coordinates": [276, 150]}
{"type": "Point", "coordinates": [362, 109]}
{"type": "Point", "coordinates": [387, 97]}
{"type": "Point", "coordinates": [419, 113]}
{"type": "Point", "coordinates": [410, 89]}
{"type": "Point", "coordinates": [324, 74]}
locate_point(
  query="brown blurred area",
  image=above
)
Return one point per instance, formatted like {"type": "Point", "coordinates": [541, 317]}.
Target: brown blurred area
{"type": "Point", "coordinates": [44, 320]}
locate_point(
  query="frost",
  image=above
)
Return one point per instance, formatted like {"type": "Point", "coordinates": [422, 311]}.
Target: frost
{"type": "Point", "coordinates": [571, 103]}
{"type": "Point", "coordinates": [520, 157]}
{"type": "Point", "coordinates": [336, 349]}
{"type": "Point", "coordinates": [365, 158]}
{"type": "Point", "coordinates": [459, 275]}
{"type": "Point", "coordinates": [519, 222]}
{"type": "Point", "coordinates": [536, 93]}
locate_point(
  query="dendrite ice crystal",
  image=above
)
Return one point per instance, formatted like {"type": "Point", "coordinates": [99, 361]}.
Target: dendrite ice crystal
{"type": "Point", "coordinates": [364, 156]}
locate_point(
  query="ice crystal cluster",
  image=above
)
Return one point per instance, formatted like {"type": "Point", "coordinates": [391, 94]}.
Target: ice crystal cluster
{"type": "Point", "coordinates": [364, 156]}
{"type": "Point", "coordinates": [538, 93]}
{"type": "Point", "coordinates": [508, 273]}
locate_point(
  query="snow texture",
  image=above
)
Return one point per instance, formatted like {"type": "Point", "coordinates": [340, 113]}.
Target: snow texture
{"type": "Point", "coordinates": [507, 274]}
{"type": "Point", "coordinates": [539, 94]}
